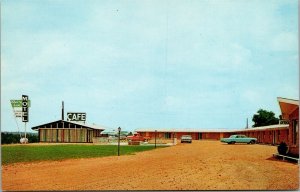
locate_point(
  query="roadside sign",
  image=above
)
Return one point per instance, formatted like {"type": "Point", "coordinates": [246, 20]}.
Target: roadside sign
{"type": "Point", "coordinates": [76, 116]}
{"type": "Point", "coordinates": [283, 122]}
{"type": "Point", "coordinates": [18, 103]}
{"type": "Point", "coordinates": [18, 113]}
{"type": "Point", "coordinates": [25, 108]}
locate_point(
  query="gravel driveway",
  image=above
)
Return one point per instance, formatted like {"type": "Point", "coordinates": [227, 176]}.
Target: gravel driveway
{"type": "Point", "coordinates": [202, 165]}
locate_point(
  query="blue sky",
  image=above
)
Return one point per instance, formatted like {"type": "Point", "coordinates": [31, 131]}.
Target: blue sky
{"type": "Point", "coordinates": [137, 63]}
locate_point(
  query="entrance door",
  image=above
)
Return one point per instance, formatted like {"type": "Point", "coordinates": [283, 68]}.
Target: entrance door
{"type": "Point", "coordinates": [274, 137]}
{"type": "Point", "coordinates": [199, 136]}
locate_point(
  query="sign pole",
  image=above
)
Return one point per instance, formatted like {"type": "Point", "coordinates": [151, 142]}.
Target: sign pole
{"type": "Point", "coordinates": [119, 131]}
{"type": "Point", "coordinates": [25, 130]}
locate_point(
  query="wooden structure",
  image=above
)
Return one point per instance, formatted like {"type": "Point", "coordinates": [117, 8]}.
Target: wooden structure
{"type": "Point", "coordinates": [67, 132]}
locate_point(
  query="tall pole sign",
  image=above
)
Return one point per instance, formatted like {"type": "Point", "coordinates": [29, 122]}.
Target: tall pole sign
{"type": "Point", "coordinates": [25, 113]}
{"type": "Point", "coordinates": [17, 107]}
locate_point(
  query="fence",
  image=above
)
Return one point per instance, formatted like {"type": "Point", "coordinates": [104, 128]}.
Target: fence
{"type": "Point", "coordinates": [107, 140]}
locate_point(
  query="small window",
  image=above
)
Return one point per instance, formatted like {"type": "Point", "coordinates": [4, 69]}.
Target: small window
{"type": "Point", "coordinates": [167, 135]}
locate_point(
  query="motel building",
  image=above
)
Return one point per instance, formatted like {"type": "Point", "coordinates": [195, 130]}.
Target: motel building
{"type": "Point", "coordinates": [273, 134]}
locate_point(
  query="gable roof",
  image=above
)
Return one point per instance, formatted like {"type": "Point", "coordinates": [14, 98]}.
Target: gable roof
{"type": "Point", "coordinates": [287, 106]}
{"type": "Point", "coordinates": [67, 123]}
{"type": "Point", "coordinates": [289, 101]}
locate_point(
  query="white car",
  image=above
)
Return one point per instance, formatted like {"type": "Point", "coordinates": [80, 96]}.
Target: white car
{"type": "Point", "coordinates": [186, 138]}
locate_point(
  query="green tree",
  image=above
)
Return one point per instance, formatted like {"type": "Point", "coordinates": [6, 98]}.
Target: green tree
{"type": "Point", "coordinates": [264, 118]}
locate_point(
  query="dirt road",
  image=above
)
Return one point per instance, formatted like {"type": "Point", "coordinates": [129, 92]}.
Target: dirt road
{"type": "Point", "coordinates": [202, 165]}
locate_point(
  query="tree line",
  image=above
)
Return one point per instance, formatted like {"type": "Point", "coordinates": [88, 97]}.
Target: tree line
{"type": "Point", "coordinates": [11, 138]}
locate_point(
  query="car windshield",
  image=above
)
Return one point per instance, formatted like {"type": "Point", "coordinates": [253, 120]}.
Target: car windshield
{"type": "Point", "coordinates": [186, 136]}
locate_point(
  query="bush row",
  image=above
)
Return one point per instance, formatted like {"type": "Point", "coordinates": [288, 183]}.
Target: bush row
{"type": "Point", "coordinates": [10, 138]}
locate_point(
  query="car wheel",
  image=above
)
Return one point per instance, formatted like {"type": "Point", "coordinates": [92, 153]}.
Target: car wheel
{"type": "Point", "coordinates": [252, 142]}
{"type": "Point", "coordinates": [233, 142]}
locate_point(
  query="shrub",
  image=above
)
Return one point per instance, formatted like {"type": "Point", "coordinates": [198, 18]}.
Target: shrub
{"type": "Point", "coordinates": [11, 138]}
{"type": "Point", "coordinates": [282, 148]}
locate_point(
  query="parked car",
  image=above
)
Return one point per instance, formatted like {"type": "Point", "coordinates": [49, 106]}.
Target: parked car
{"type": "Point", "coordinates": [186, 138]}
{"type": "Point", "coordinates": [136, 137]}
{"type": "Point", "coordinates": [239, 139]}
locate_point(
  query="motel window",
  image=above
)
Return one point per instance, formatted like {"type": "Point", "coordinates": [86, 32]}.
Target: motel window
{"type": "Point", "coordinates": [167, 135]}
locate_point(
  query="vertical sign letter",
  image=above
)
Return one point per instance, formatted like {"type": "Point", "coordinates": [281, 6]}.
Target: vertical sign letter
{"type": "Point", "coordinates": [25, 108]}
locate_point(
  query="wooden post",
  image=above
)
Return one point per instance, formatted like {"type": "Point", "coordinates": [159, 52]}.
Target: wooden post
{"type": "Point", "coordinates": [155, 137]}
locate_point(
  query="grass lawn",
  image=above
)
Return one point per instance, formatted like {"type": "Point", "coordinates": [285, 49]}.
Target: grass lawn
{"type": "Point", "coordinates": [14, 154]}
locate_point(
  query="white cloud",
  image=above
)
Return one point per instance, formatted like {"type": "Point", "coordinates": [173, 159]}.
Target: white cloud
{"type": "Point", "coordinates": [285, 41]}
{"type": "Point", "coordinates": [252, 96]}
{"type": "Point", "coordinates": [18, 86]}
{"type": "Point", "coordinates": [174, 103]}
{"type": "Point", "coordinates": [208, 101]}
{"type": "Point", "coordinates": [288, 91]}
{"type": "Point", "coordinates": [233, 57]}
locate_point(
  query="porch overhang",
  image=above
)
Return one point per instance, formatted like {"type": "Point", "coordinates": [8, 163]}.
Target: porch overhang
{"type": "Point", "coordinates": [287, 106]}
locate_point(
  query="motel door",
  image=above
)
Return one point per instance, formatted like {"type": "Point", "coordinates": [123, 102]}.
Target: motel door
{"type": "Point", "coordinates": [199, 136]}
{"type": "Point", "coordinates": [274, 137]}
